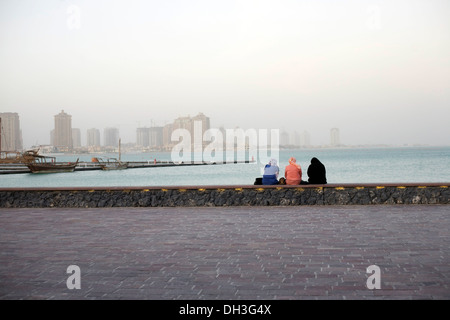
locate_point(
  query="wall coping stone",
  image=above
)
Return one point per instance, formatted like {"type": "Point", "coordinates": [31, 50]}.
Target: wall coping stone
{"type": "Point", "coordinates": [215, 187]}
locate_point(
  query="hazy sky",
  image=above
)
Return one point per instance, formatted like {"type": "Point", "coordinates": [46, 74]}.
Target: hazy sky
{"type": "Point", "coordinates": [378, 70]}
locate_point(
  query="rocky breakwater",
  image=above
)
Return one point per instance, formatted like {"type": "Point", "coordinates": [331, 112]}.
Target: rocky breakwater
{"type": "Point", "coordinates": [217, 196]}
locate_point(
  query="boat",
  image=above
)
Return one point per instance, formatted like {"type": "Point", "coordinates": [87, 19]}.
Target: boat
{"type": "Point", "coordinates": [17, 157]}
{"type": "Point", "coordinates": [111, 164]}
{"type": "Point", "coordinates": [8, 157]}
{"type": "Point", "coordinates": [47, 164]}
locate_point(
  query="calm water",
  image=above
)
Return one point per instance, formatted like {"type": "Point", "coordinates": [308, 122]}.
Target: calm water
{"type": "Point", "coordinates": [421, 164]}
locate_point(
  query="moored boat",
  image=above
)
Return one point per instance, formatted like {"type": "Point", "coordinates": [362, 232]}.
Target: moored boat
{"type": "Point", "coordinates": [111, 164]}
{"type": "Point", "coordinates": [46, 164]}
{"type": "Point", "coordinates": [17, 157]}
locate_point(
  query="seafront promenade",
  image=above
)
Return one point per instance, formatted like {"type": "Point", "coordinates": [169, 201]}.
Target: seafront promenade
{"type": "Point", "coordinates": [275, 252]}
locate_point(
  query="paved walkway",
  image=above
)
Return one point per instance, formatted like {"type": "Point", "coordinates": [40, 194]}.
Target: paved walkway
{"type": "Point", "coordinates": [226, 253]}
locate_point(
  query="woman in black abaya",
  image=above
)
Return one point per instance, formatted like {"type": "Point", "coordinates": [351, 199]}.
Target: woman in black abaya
{"type": "Point", "coordinates": [316, 172]}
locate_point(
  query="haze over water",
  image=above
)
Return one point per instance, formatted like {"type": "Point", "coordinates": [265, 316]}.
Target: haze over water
{"type": "Point", "coordinates": [374, 165]}
{"type": "Point", "coordinates": [377, 70]}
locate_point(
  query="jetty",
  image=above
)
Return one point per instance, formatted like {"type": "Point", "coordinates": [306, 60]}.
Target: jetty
{"type": "Point", "coordinates": [20, 168]}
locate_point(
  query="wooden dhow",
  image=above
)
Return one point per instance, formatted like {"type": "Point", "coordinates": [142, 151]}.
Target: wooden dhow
{"type": "Point", "coordinates": [45, 164]}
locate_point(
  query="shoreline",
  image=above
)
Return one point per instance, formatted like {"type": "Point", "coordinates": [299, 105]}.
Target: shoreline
{"type": "Point", "coordinates": [281, 148]}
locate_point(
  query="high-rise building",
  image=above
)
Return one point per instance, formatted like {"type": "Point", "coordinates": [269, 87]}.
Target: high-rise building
{"type": "Point", "coordinates": [284, 138]}
{"type": "Point", "coordinates": [111, 137]}
{"type": "Point", "coordinates": [93, 137]}
{"type": "Point", "coordinates": [11, 135]}
{"type": "Point", "coordinates": [183, 123]}
{"type": "Point", "coordinates": [155, 137]}
{"type": "Point", "coordinates": [142, 137]}
{"type": "Point", "coordinates": [294, 138]}
{"type": "Point", "coordinates": [334, 137]}
{"type": "Point", "coordinates": [162, 136]}
{"type": "Point", "coordinates": [190, 123]}
{"type": "Point", "coordinates": [62, 136]}
{"type": "Point", "coordinates": [149, 137]}
{"type": "Point", "coordinates": [305, 139]}
{"type": "Point", "coordinates": [204, 120]}
{"type": "Point", "coordinates": [167, 135]}
{"type": "Point", "coordinates": [76, 137]}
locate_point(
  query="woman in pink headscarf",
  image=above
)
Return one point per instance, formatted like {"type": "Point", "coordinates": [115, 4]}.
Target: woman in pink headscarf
{"type": "Point", "coordinates": [293, 172]}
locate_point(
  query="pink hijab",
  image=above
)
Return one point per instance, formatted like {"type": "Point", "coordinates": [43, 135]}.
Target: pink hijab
{"type": "Point", "coordinates": [293, 161]}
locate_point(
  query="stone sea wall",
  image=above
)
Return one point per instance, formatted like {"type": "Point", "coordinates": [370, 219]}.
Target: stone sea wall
{"type": "Point", "coordinates": [363, 194]}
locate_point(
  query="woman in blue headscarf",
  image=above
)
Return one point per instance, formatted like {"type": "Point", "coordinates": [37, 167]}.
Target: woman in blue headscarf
{"type": "Point", "coordinates": [271, 171]}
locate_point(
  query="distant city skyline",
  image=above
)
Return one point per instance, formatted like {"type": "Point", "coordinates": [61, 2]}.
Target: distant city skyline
{"type": "Point", "coordinates": [377, 70]}
{"type": "Point", "coordinates": [63, 137]}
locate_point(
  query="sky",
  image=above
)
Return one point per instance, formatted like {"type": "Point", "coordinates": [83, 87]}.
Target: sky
{"type": "Point", "coordinates": [377, 70]}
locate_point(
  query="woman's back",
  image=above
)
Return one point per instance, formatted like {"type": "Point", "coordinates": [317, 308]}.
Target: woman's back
{"type": "Point", "coordinates": [316, 172]}
{"type": "Point", "coordinates": [293, 174]}
{"type": "Point", "coordinates": [271, 171]}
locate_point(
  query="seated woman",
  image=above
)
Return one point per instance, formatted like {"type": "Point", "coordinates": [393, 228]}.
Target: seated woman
{"type": "Point", "coordinates": [316, 172]}
{"type": "Point", "coordinates": [271, 171]}
{"type": "Point", "coordinates": [293, 172]}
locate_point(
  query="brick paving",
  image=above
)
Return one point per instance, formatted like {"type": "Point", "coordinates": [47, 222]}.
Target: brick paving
{"type": "Point", "coordinates": [239, 253]}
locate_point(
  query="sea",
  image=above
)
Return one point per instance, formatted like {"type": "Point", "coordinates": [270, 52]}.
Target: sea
{"type": "Point", "coordinates": [343, 165]}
